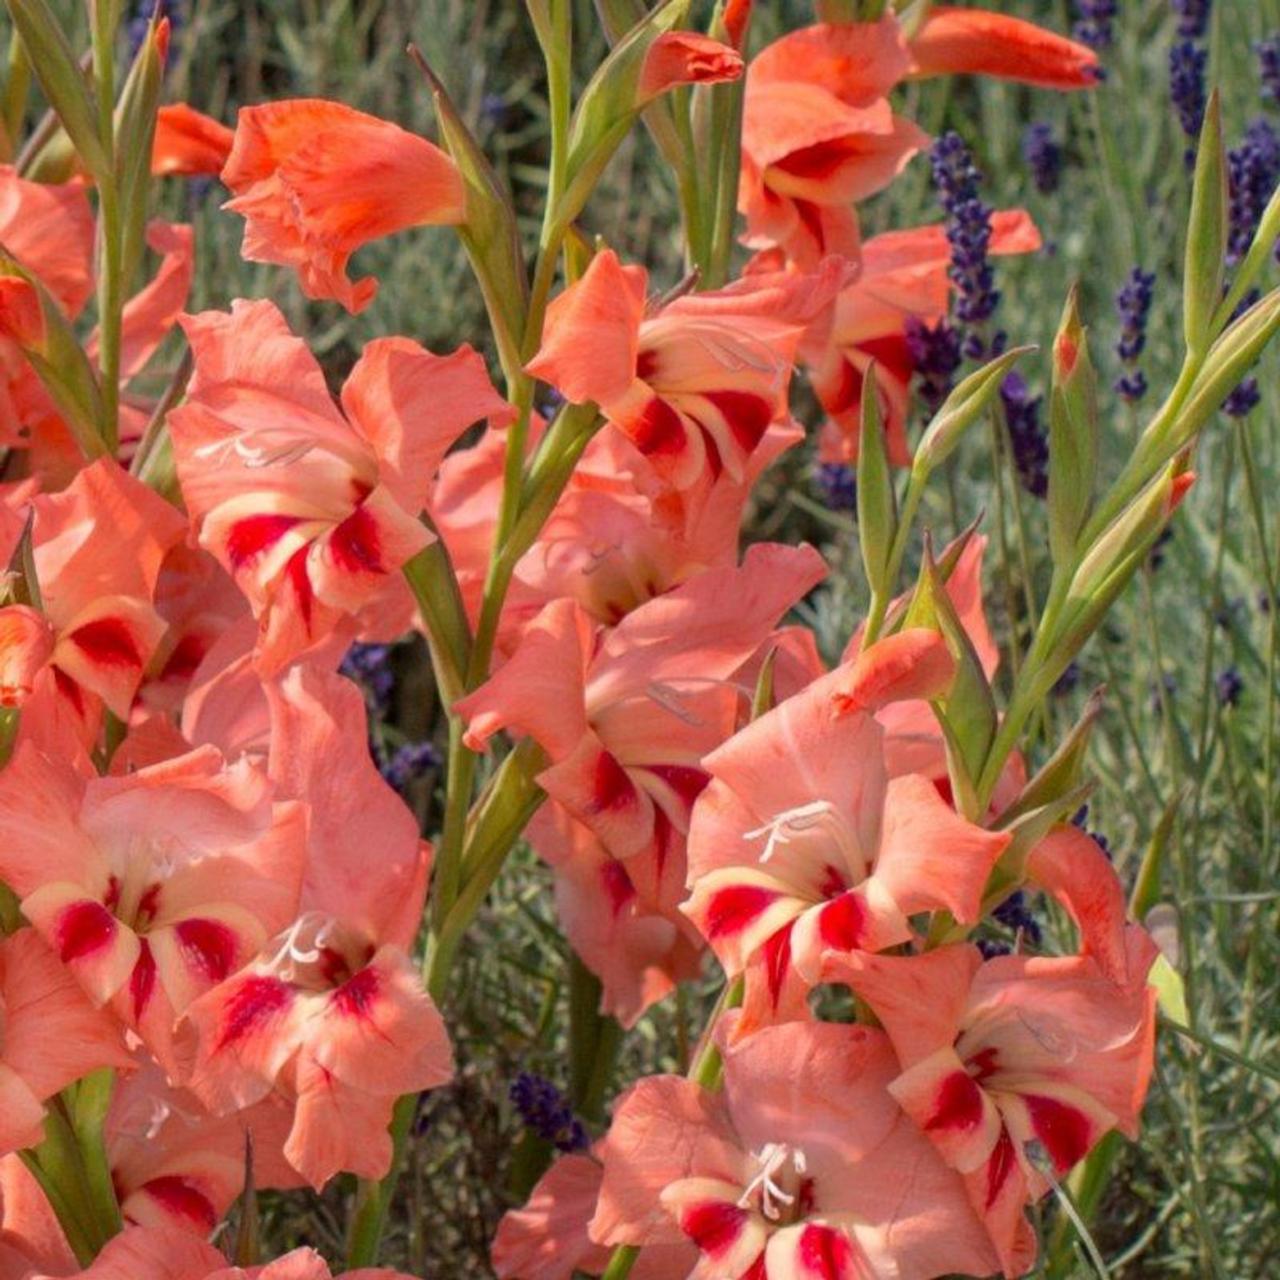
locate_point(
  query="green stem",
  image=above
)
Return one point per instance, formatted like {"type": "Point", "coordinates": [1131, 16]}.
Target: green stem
{"type": "Point", "coordinates": [110, 228]}
{"type": "Point", "coordinates": [373, 1199]}
{"type": "Point", "coordinates": [92, 1101]}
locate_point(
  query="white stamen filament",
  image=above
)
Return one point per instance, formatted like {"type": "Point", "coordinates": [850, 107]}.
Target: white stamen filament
{"type": "Point", "coordinates": [292, 952]}
{"type": "Point", "coordinates": [772, 1159]}
{"type": "Point", "coordinates": [784, 826]}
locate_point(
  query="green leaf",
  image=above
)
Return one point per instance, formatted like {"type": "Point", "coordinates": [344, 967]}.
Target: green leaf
{"type": "Point", "coordinates": [63, 82]}
{"type": "Point", "coordinates": [1171, 991]}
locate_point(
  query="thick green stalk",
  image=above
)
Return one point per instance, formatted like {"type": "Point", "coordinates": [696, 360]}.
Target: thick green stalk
{"type": "Point", "coordinates": [89, 1115]}
{"type": "Point", "coordinates": [110, 228]}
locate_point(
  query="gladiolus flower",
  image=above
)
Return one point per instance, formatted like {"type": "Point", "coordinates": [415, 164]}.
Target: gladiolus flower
{"type": "Point", "coordinates": [694, 386]}
{"type": "Point", "coordinates": [315, 180]}
{"type": "Point", "coordinates": [150, 888]}
{"type": "Point", "coordinates": [189, 143]}
{"type": "Point", "coordinates": [314, 511]}
{"type": "Point", "coordinates": [331, 1012]}
{"type": "Point", "coordinates": [97, 550]}
{"type": "Point", "coordinates": [804, 1168]}
{"type": "Point", "coordinates": [803, 843]}
{"type": "Point", "coordinates": [52, 1037]}
{"type": "Point", "coordinates": [1011, 1064]}
{"type": "Point", "coordinates": [903, 279]}
{"type": "Point", "coordinates": [626, 719]}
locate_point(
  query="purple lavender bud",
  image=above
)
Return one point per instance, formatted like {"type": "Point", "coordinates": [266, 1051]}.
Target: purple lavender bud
{"type": "Point", "coordinates": [957, 180]}
{"type": "Point", "coordinates": [544, 1109]}
{"type": "Point", "coordinates": [1133, 308]}
{"type": "Point", "coordinates": [1093, 22]}
{"type": "Point", "coordinates": [1081, 819]}
{"type": "Point", "coordinates": [1014, 914]}
{"type": "Point", "coordinates": [1155, 557]}
{"type": "Point", "coordinates": [1187, 62]}
{"type": "Point", "coordinates": [1043, 156]}
{"type": "Point", "coordinates": [1193, 17]}
{"type": "Point", "coordinates": [370, 666]}
{"type": "Point", "coordinates": [936, 353]}
{"type": "Point", "coordinates": [1026, 435]}
{"type": "Point", "coordinates": [1253, 169]}
{"type": "Point", "coordinates": [1268, 52]}
{"type": "Point", "coordinates": [408, 762]}
{"type": "Point", "coordinates": [1229, 686]}
{"type": "Point", "coordinates": [837, 485]}
{"type": "Point", "coordinates": [1243, 400]}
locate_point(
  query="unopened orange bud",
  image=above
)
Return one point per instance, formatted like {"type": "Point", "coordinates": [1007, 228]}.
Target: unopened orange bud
{"type": "Point", "coordinates": [685, 57]}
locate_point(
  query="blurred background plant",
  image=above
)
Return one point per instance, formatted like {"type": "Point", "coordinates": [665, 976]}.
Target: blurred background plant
{"type": "Point", "coordinates": [1185, 755]}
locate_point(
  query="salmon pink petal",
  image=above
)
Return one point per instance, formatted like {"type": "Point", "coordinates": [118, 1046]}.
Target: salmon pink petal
{"type": "Point", "coordinates": [381, 1031]}
{"type": "Point", "coordinates": [412, 406]}
{"type": "Point", "coordinates": [53, 1035]}
{"type": "Point", "coordinates": [717, 620]}
{"type": "Point", "coordinates": [591, 335]}
{"type": "Point", "coordinates": [316, 180]}
{"type": "Point", "coordinates": [539, 692]}
{"type": "Point", "coordinates": [210, 803]}
{"type": "Point", "coordinates": [911, 664]}
{"type": "Point", "coordinates": [593, 785]}
{"type": "Point", "coordinates": [85, 936]}
{"type": "Point", "coordinates": [857, 62]}
{"type": "Point", "coordinates": [951, 1109]}
{"type": "Point", "coordinates": [246, 1029]}
{"type": "Point", "coordinates": [353, 560]}
{"type": "Point", "coordinates": [189, 143]}
{"type": "Point", "coordinates": [28, 1225]}
{"type": "Point", "coordinates": [153, 1253]}
{"type": "Point", "coordinates": [920, 1000]}
{"type": "Point", "coordinates": [40, 839]}
{"type": "Point", "coordinates": [1072, 868]}
{"type": "Point", "coordinates": [26, 644]}
{"type": "Point", "coordinates": [338, 1127]}
{"type": "Point", "coordinates": [22, 314]}
{"type": "Point", "coordinates": [48, 228]}
{"type": "Point", "coordinates": [953, 41]}
{"type": "Point", "coordinates": [664, 1129]}
{"type": "Point", "coordinates": [685, 57]}
{"type": "Point", "coordinates": [318, 756]}
{"type": "Point", "coordinates": [547, 1238]}
{"type": "Point", "coordinates": [150, 315]}
{"type": "Point", "coordinates": [730, 1238]}
{"type": "Point", "coordinates": [107, 646]}
{"type": "Point", "coordinates": [861, 919]}
{"type": "Point", "coordinates": [106, 534]}
{"type": "Point", "coordinates": [738, 910]}
{"type": "Point", "coordinates": [999, 1192]}
{"type": "Point", "coordinates": [1064, 1121]}
{"type": "Point", "coordinates": [816, 1250]}
{"type": "Point", "coordinates": [930, 857]}
{"type": "Point", "coordinates": [194, 954]}
{"type": "Point", "coordinates": [21, 1113]}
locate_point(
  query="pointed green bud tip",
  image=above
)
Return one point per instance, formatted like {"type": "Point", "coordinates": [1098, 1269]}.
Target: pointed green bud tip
{"type": "Point", "coordinates": [1205, 265]}
{"type": "Point", "coordinates": [962, 408]}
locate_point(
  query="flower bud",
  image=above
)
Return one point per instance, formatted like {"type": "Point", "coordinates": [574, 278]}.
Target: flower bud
{"type": "Point", "coordinates": [961, 409]}
{"type": "Point", "coordinates": [1073, 433]}
{"type": "Point", "coordinates": [1206, 233]}
{"type": "Point", "coordinates": [488, 230]}
{"type": "Point", "coordinates": [877, 506]}
{"type": "Point", "coordinates": [650, 59]}
{"type": "Point", "coordinates": [135, 138]}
